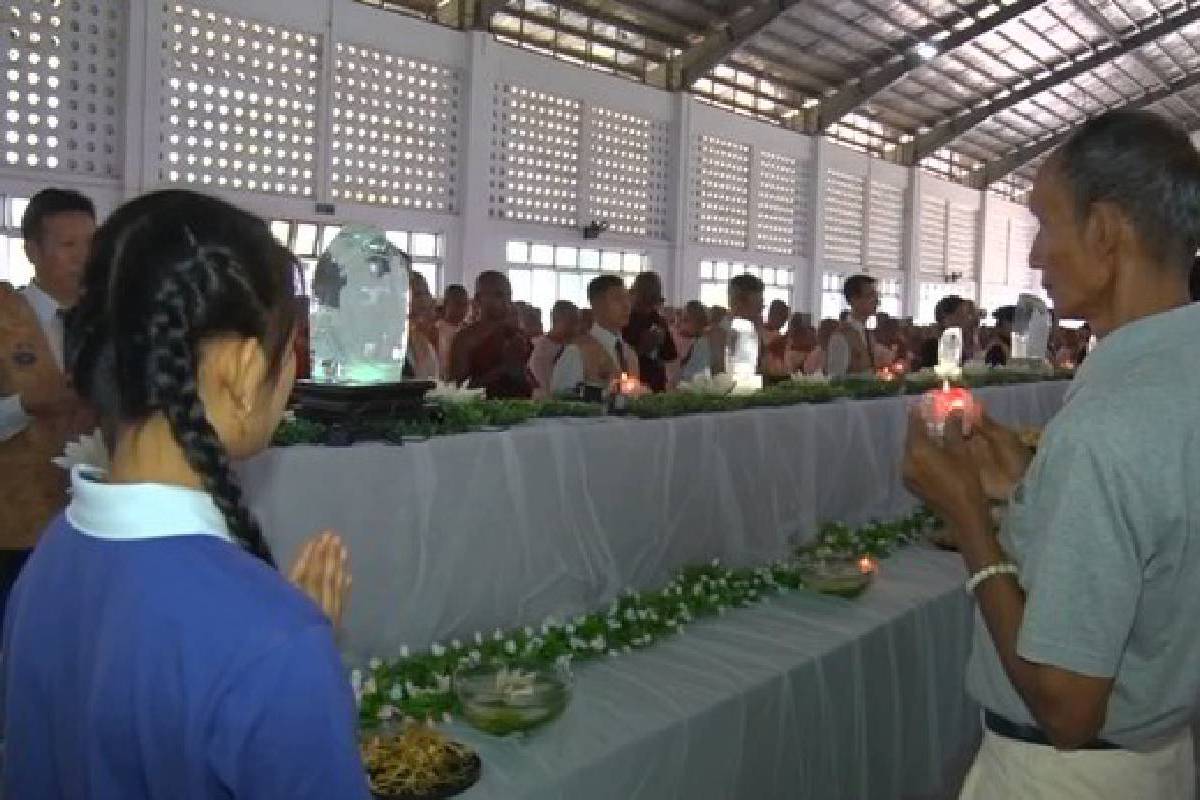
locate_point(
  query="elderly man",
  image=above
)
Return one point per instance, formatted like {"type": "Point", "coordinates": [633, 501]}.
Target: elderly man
{"type": "Point", "coordinates": [1086, 658]}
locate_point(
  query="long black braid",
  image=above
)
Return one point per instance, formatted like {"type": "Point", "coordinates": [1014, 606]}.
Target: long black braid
{"type": "Point", "coordinates": [168, 271]}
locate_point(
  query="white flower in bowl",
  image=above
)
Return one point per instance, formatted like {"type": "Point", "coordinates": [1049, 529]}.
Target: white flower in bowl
{"type": "Point", "coordinates": [454, 393]}
{"type": "Point", "coordinates": [88, 450]}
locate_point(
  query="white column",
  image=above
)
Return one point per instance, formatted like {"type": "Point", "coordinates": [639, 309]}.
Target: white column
{"type": "Point", "coordinates": [912, 266]}
{"type": "Point", "coordinates": [474, 256]}
{"type": "Point", "coordinates": [683, 284]}
{"type": "Point", "coordinates": [810, 287]}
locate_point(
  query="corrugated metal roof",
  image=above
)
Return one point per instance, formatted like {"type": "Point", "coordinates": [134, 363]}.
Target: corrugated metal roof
{"type": "Point", "coordinates": [977, 90]}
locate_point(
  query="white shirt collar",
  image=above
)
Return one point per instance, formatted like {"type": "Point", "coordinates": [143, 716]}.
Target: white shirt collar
{"type": "Point", "coordinates": [46, 309]}
{"type": "Point", "coordinates": [133, 511]}
{"type": "Point", "coordinates": [607, 339]}
{"type": "Point", "coordinates": [857, 324]}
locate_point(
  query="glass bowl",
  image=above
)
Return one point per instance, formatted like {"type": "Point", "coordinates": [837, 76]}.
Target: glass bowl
{"type": "Point", "coordinates": [501, 699]}
{"type": "Point", "coordinates": [842, 576]}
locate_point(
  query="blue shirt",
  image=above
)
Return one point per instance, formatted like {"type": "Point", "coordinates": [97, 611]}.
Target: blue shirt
{"type": "Point", "coordinates": [147, 656]}
{"type": "Point", "coordinates": [1105, 529]}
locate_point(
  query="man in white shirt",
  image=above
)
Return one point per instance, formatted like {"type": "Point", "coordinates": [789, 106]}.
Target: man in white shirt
{"type": "Point", "coordinates": [745, 302]}
{"type": "Point", "coordinates": [853, 349]}
{"type": "Point", "coordinates": [38, 409]}
{"type": "Point", "coordinates": [548, 349]}
{"type": "Point", "coordinates": [600, 356]}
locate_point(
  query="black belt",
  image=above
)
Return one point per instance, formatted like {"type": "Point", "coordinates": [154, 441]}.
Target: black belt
{"type": "Point", "coordinates": [1031, 734]}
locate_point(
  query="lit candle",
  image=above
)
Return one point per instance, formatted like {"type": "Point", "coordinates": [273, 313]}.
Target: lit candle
{"type": "Point", "coordinates": [628, 386]}
{"type": "Point", "coordinates": [866, 565]}
{"type": "Point", "coordinates": [885, 374]}
{"type": "Point", "coordinates": [939, 404]}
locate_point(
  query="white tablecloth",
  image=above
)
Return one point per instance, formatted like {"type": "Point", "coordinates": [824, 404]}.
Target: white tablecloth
{"type": "Point", "coordinates": [803, 698]}
{"type": "Point", "coordinates": [472, 532]}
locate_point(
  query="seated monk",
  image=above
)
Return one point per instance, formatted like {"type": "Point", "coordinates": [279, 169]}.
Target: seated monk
{"type": "Point", "coordinates": [492, 353]}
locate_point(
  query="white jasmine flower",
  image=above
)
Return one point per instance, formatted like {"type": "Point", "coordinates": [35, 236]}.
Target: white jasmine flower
{"type": "Point", "coordinates": [375, 663]}
{"type": "Point", "coordinates": [437, 650]}
{"type": "Point", "coordinates": [370, 687]}
{"type": "Point", "coordinates": [455, 644]}
{"type": "Point", "coordinates": [88, 450]}
{"type": "Point", "coordinates": [478, 637]}
{"type": "Point", "coordinates": [404, 651]}
{"type": "Point", "coordinates": [443, 683]}
{"type": "Point", "coordinates": [614, 624]}
{"type": "Point", "coordinates": [386, 712]}
{"type": "Point", "coordinates": [397, 692]}
{"type": "Point", "coordinates": [598, 644]}
{"type": "Point", "coordinates": [510, 647]}
{"type": "Point", "coordinates": [498, 635]}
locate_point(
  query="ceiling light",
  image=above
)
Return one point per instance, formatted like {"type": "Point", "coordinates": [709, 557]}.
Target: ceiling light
{"type": "Point", "coordinates": [926, 50]}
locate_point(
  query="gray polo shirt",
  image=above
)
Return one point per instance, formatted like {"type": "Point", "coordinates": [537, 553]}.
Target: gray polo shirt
{"type": "Point", "coordinates": [1105, 528]}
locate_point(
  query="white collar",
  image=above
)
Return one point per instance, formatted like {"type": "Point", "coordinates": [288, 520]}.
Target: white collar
{"type": "Point", "coordinates": [605, 337]}
{"type": "Point", "coordinates": [134, 511]}
{"type": "Point", "coordinates": [857, 324]}
{"type": "Point", "coordinates": [44, 306]}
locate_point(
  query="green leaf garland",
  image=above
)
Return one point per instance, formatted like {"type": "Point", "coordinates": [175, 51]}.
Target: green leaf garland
{"type": "Point", "coordinates": [452, 418]}
{"type": "Point", "coordinates": [420, 685]}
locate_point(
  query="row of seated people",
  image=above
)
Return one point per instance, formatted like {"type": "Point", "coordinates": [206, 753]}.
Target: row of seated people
{"type": "Point", "coordinates": [492, 342]}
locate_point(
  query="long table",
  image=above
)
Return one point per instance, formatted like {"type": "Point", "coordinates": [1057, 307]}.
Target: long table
{"type": "Point", "coordinates": [803, 696]}
{"type": "Point", "coordinates": [472, 532]}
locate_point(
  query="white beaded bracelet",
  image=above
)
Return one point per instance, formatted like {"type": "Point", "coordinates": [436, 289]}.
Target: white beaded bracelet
{"type": "Point", "coordinates": [989, 572]}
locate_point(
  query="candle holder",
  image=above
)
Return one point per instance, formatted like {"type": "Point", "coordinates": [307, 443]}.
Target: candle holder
{"type": "Point", "coordinates": [937, 405]}
{"type": "Point", "coordinates": [839, 574]}
{"type": "Point", "coordinates": [622, 391]}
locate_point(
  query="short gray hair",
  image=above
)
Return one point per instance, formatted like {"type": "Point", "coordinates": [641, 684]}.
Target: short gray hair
{"type": "Point", "coordinates": [1149, 169]}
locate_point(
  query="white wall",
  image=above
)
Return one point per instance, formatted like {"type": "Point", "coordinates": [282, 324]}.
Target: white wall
{"type": "Point", "coordinates": [474, 233]}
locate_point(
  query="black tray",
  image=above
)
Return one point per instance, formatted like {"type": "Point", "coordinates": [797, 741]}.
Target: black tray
{"type": "Point", "coordinates": [474, 768]}
{"type": "Point", "coordinates": [347, 403]}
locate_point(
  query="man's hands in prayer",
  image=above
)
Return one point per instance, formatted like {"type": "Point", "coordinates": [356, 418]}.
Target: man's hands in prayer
{"type": "Point", "coordinates": [944, 473]}
{"type": "Point", "coordinates": [322, 572]}
{"type": "Point", "coordinates": [1001, 457]}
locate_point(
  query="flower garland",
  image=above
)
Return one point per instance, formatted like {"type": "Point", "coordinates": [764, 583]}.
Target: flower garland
{"type": "Point", "coordinates": [478, 415]}
{"type": "Point", "coordinates": [420, 686]}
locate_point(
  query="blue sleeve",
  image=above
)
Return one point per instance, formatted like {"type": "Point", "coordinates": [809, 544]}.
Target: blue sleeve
{"type": "Point", "coordinates": [285, 730]}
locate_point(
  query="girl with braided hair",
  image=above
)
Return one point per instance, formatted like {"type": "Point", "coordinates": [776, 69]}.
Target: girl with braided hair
{"type": "Point", "coordinates": [151, 649]}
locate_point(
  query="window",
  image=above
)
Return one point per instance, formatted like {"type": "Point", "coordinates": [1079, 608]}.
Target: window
{"type": "Point", "coordinates": [542, 274]}
{"type": "Point", "coordinates": [833, 300]}
{"type": "Point", "coordinates": [308, 240]}
{"type": "Point", "coordinates": [931, 293]}
{"type": "Point", "coordinates": [14, 266]}
{"type": "Point", "coordinates": [715, 275]}
{"type": "Point", "coordinates": [395, 130]}
{"type": "Point", "coordinates": [239, 106]}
